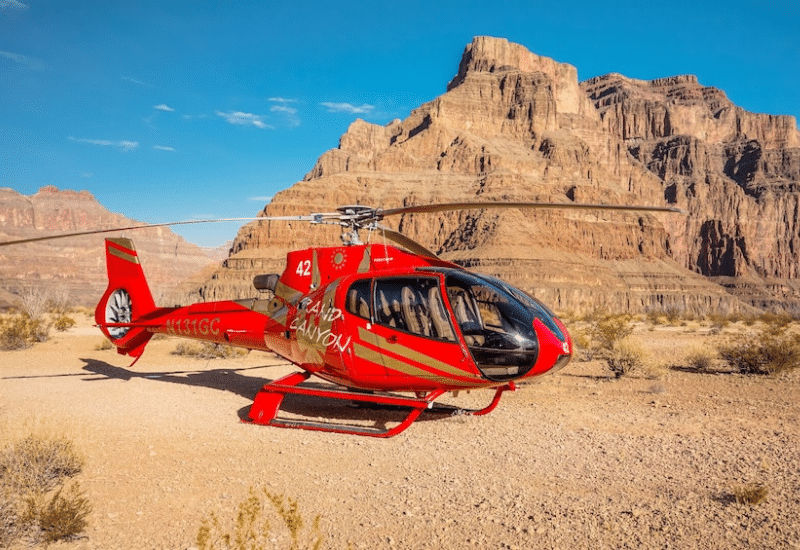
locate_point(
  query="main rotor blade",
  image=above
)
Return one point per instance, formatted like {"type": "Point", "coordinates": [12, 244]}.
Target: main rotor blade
{"type": "Point", "coordinates": [407, 243]}
{"type": "Point", "coordinates": [446, 207]}
{"type": "Point", "coordinates": [318, 217]}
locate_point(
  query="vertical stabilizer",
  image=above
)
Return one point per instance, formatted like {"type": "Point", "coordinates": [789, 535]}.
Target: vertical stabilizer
{"type": "Point", "coordinates": [124, 308]}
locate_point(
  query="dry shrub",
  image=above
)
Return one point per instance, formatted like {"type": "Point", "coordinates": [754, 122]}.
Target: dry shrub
{"type": "Point", "coordinates": [252, 527]}
{"type": "Point", "coordinates": [20, 331]}
{"type": "Point", "coordinates": [103, 345]}
{"type": "Point", "coordinates": [207, 350]}
{"type": "Point", "coordinates": [60, 517]}
{"type": "Point", "coordinates": [38, 463]}
{"type": "Point", "coordinates": [600, 332]}
{"type": "Point", "coordinates": [766, 352]}
{"type": "Point", "coordinates": [700, 358]}
{"type": "Point", "coordinates": [627, 356]}
{"type": "Point", "coordinates": [750, 494]}
{"type": "Point", "coordinates": [58, 301]}
{"type": "Point", "coordinates": [33, 503]}
{"type": "Point", "coordinates": [63, 322]}
{"type": "Point", "coordinates": [34, 302]}
{"type": "Point", "coordinates": [775, 322]}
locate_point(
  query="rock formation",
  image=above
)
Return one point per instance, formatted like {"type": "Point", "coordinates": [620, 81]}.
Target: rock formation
{"type": "Point", "coordinates": [77, 265]}
{"type": "Point", "coordinates": [738, 173]}
{"type": "Point", "coordinates": [512, 126]}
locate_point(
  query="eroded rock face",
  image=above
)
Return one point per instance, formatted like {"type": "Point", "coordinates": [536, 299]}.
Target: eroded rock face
{"type": "Point", "coordinates": [512, 126]}
{"type": "Point", "coordinates": [738, 173]}
{"type": "Point", "coordinates": [77, 265]}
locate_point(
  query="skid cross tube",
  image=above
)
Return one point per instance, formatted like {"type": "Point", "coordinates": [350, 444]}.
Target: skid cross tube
{"type": "Point", "coordinates": [267, 404]}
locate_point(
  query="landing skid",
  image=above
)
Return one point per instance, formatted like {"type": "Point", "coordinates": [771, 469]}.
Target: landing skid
{"type": "Point", "coordinates": [268, 402]}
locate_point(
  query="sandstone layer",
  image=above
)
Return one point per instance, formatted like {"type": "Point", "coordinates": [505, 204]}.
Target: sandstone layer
{"type": "Point", "coordinates": [512, 126]}
{"type": "Point", "coordinates": [76, 266]}
{"type": "Point", "coordinates": [738, 174]}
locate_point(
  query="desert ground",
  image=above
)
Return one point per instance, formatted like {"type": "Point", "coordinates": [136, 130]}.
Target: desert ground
{"type": "Point", "coordinates": [575, 460]}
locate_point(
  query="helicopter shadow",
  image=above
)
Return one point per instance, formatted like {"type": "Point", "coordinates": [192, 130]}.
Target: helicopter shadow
{"type": "Point", "coordinates": [232, 380]}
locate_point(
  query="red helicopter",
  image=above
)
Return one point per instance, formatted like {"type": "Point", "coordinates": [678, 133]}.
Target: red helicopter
{"type": "Point", "coordinates": [372, 318]}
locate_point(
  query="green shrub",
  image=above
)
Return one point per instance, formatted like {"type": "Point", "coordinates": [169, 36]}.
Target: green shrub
{"type": "Point", "coordinates": [766, 352]}
{"type": "Point", "coordinates": [21, 331]}
{"type": "Point", "coordinates": [252, 527]}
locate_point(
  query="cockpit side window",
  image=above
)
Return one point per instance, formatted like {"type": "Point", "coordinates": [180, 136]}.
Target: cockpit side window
{"type": "Point", "coordinates": [413, 304]}
{"type": "Point", "coordinates": [358, 299]}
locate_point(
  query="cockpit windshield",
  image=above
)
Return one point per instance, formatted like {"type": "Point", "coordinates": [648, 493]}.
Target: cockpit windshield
{"type": "Point", "coordinates": [497, 324]}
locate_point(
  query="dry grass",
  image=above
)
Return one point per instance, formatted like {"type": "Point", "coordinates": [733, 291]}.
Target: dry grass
{"type": "Point", "coordinates": [627, 356]}
{"type": "Point", "coordinates": [20, 331]}
{"type": "Point", "coordinates": [750, 494]}
{"type": "Point", "coordinates": [207, 350]}
{"type": "Point", "coordinates": [598, 332]}
{"type": "Point", "coordinates": [103, 345]}
{"type": "Point", "coordinates": [37, 502]}
{"type": "Point", "coordinates": [252, 527]}
{"type": "Point", "coordinates": [63, 322]}
{"type": "Point", "coordinates": [765, 352]}
{"type": "Point", "coordinates": [700, 358]}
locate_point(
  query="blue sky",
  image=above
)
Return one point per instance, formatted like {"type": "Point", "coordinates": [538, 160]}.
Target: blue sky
{"type": "Point", "coordinates": [178, 110]}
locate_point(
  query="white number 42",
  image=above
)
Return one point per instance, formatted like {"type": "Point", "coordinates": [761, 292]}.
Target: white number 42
{"type": "Point", "coordinates": [303, 268]}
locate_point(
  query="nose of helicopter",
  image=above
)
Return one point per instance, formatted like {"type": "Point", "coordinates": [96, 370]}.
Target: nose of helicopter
{"type": "Point", "coordinates": [554, 353]}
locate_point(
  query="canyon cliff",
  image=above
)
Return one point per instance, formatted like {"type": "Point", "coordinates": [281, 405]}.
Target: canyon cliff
{"type": "Point", "coordinates": [514, 126]}
{"type": "Point", "coordinates": [738, 174]}
{"type": "Point", "coordinates": [76, 266]}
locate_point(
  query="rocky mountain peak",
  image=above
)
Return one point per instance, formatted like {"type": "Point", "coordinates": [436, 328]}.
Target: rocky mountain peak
{"type": "Point", "coordinates": [486, 54]}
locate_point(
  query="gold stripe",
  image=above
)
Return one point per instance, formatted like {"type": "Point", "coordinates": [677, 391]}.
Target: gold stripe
{"type": "Point", "coordinates": [287, 293]}
{"type": "Point", "coordinates": [124, 255]}
{"type": "Point", "coordinates": [412, 355]}
{"type": "Point", "coordinates": [365, 261]}
{"type": "Point", "coordinates": [368, 354]}
{"type": "Point", "coordinates": [316, 278]}
{"type": "Point", "coordinates": [123, 242]}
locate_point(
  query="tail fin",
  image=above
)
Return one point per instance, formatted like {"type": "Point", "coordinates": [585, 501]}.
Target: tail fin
{"type": "Point", "coordinates": [122, 310]}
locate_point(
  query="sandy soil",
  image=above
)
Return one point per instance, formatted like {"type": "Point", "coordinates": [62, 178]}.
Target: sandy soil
{"type": "Point", "coordinates": [576, 460]}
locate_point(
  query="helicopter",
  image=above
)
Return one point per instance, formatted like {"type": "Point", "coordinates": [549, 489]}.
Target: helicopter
{"type": "Point", "coordinates": [392, 326]}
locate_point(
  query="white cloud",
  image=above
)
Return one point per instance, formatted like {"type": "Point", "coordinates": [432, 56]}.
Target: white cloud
{"type": "Point", "coordinates": [163, 107]}
{"type": "Point", "coordinates": [163, 148]}
{"type": "Point", "coordinates": [283, 109]}
{"type": "Point", "coordinates": [282, 100]}
{"type": "Point", "coordinates": [139, 82]}
{"type": "Point", "coordinates": [244, 119]}
{"type": "Point", "coordinates": [13, 4]}
{"type": "Point", "coordinates": [347, 108]}
{"type": "Point", "coordinates": [29, 62]}
{"type": "Point", "coordinates": [125, 145]}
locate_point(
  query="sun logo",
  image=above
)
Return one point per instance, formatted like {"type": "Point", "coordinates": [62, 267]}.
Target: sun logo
{"type": "Point", "coordinates": [339, 260]}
